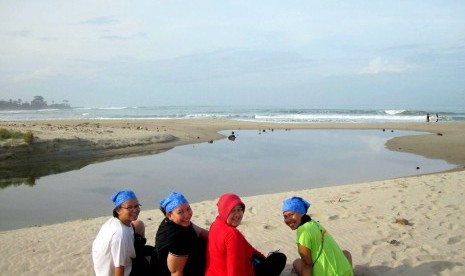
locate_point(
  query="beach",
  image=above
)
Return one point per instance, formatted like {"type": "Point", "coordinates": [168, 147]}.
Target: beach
{"type": "Point", "coordinates": [403, 226]}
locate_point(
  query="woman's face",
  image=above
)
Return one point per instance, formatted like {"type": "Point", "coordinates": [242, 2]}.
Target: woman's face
{"type": "Point", "coordinates": [129, 211]}
{"type": "Point", "coordinates": [235, 216]}
{"type": "Point", "coordinates": [181, 215]}
{"type": "Point", "coordinates": [292, 219]}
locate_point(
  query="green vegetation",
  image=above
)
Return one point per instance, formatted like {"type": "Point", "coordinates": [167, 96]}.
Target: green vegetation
{"type": "Point", "coordinates": [37, 103]}
{"type": "Point", "coordinates": [12, 134]}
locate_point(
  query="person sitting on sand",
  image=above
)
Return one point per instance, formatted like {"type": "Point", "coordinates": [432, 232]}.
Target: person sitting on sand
{"type": "Point", "coordinates": [319, 252]}
{"type": "Point", "coordinates": [229, 253]}
{"type": "Point", "coordinates": [180, 245]}
{"type": "Point", "coordinates": [113, 248]}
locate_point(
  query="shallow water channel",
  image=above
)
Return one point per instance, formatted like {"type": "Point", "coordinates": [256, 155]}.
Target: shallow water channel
{"type": "Point", "coordinates": [255, 163]}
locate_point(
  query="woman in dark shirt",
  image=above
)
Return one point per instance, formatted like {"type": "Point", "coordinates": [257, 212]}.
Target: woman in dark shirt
{"type": "Point", "coordinates": [180, 245]}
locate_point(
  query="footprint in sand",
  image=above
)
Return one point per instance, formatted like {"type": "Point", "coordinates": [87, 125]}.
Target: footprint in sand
{"type": "Point", "coordinates": [378, 242]}
{"type": "Point", "coordinates": [367, 250]}
{"type": "Point", "coordinates": [454, 240]}
{"type": "Point", "coordinates": [450, 226]}
{"type": "Point", "coordinates": [454, 207]}
{"type": "Point", "coordinates": [252, 210]}
{"type": "Point", "coordinates": [268, 227]}
{"type": "Point", "coordinates": [334, 217]}
{"type": "Point", "coordinates": [420, 207]}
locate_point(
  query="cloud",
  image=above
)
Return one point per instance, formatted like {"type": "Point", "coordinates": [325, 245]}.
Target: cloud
{"type": "Point", "coordinates": [22, 33]}
{"type": "Point", "coordinates": [378, 66]}
{"type": "Point", "coordinates": [125, 37]}
{"type": "Point", "coordinates": [102, 20]}
{"type": "Point", "coordinates": [230, 64]}
{"type": "Point", "coordinates": [41, 73]}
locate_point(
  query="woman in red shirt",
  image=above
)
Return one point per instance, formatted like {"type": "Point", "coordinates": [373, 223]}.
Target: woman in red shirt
{"type": "Point", "coordinates": [229, 253]}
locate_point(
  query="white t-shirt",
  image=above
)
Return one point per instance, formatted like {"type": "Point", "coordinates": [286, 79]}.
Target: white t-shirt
{"type": "Point", "coordinates": [113, 247]}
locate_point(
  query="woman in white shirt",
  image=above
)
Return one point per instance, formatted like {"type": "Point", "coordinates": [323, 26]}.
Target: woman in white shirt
{"type": "Point", "coordinates": [113, 248]}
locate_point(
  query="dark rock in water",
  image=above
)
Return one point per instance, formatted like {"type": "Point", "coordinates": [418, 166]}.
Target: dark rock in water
{"type": "Point", "coordinates": [418, 168]}
{"type": "Point", "coordinates": [232, 137]}
{"type": "Point", "coordinates": [210, 142]}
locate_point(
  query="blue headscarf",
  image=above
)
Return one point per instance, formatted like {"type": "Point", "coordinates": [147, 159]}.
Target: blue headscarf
{"type": "Point", "coordinates": [122, 196]}
{"type": "Point", "coordinates": [296, 204]}
{"type": "Point", "coordinates": [172, 201]}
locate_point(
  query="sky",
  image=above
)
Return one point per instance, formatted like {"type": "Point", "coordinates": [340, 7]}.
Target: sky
{"type": "Point", "coordinates": [99, 53]}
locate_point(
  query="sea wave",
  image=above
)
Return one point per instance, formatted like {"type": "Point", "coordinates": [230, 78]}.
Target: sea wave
{"type": "Point", "coordinates": [394, 112]}
{"type": "Point", "coordinates": [258, 114]}
{"type": "Point", "coordinates": [112, 108]}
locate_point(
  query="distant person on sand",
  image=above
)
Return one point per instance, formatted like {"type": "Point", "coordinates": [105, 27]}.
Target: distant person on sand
{"type": "Point", "coordinates": [427, 117]}
{"type": "Point", "coordinates": [180, 245]}
{"type": "Point", "coordinates": [229, 253]}
{"type": "Point", "coordinates": [319, 252]}
{"type": "Point", "coordinates": [437, 117]}
{"type": "Point", "coordinates": [113, 248]}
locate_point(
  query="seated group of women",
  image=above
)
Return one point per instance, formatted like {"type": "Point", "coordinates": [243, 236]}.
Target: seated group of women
{"type": "Point", "coordinates": [183, 248]}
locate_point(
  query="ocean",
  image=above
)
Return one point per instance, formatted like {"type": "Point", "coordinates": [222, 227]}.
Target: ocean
{"type": "Point", "coordinates": [277, 114]}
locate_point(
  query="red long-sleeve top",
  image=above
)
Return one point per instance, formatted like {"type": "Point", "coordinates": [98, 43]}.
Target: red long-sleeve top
{"type": "Point", "coordinates": [229, 253]}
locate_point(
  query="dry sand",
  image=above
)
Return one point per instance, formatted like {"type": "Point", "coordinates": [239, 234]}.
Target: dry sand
{"type": "Point", "coordinates": [361, 217]}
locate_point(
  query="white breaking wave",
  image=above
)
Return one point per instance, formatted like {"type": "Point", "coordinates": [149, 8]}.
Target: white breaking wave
{"type": "Point", "coordinates": [261, 114]}
{"type": "Point", "coordinates": [394, 112]}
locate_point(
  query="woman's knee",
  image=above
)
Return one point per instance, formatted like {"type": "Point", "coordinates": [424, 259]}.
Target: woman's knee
{"type": "Point", "coordinates": [348, 256]}
{"type": "Point", "coordinates": [139, 227]}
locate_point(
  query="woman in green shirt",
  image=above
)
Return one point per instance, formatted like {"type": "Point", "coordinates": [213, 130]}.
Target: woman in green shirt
{"type": "Point", "coordinates": [319, 252]}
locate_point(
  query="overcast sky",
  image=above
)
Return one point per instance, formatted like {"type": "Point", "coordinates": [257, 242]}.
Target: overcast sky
{"type": "Point", "coordinates": [316, 53]}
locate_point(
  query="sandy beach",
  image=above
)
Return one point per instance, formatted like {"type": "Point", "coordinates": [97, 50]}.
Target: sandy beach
{"type": "Point", "coordinates": [361, 217]}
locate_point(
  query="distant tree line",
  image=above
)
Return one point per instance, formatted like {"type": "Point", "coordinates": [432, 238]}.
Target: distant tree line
{"type": "Point", "coordinates": [37, 103]}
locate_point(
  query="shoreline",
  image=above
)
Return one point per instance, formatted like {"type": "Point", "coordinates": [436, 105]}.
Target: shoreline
{"type": "Point", "coordinates": [361, 216]}
{"type": "Point", "coordinates": [109, 139]}
{"type": "Point", "coordinates": [65, 145]}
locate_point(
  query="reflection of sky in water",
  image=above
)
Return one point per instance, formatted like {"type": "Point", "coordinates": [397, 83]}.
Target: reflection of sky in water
{"type": "Point", "coordinates": [253, 164]}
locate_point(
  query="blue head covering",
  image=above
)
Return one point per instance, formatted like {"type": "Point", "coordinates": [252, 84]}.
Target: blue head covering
{"type": "Point", "coordinates": [122, 196]}
{"type": "Point", "coordinates": [172, 201]}
{"type": "Point", "coordinates": [296, 204]}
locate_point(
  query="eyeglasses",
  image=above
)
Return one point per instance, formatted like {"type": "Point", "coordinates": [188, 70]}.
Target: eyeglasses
{"type": "Point", "coordinates": [130, 208]}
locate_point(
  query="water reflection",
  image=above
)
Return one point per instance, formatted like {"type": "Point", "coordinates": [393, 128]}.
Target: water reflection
{"type": "Point", "coordinates": [254, 163]}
